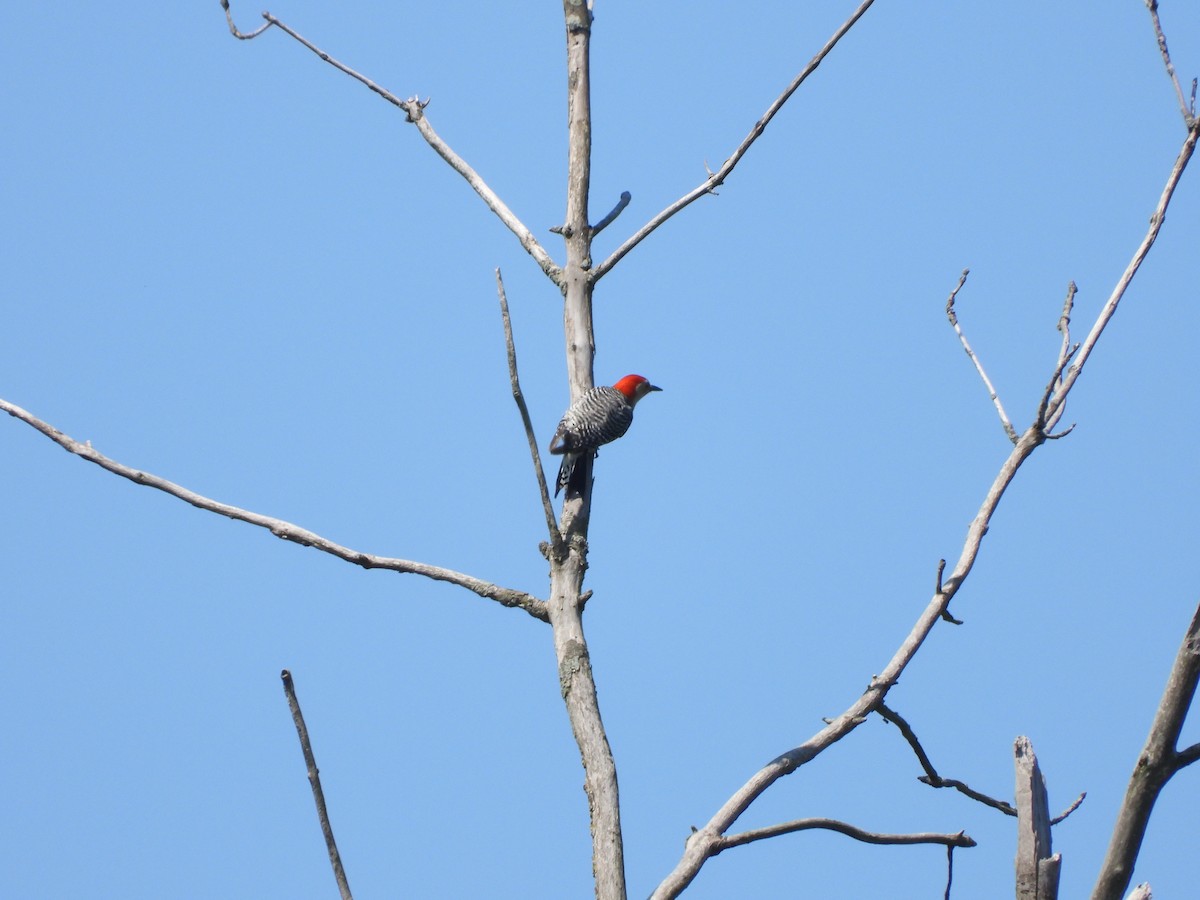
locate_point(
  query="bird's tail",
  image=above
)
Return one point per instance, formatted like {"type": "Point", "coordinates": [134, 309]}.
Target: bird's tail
{"type": "Point", "coordinates": [572, 474]}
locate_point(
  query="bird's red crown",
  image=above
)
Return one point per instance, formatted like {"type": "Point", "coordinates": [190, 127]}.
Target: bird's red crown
{"type": "Point", "coordinates": [629, 385]}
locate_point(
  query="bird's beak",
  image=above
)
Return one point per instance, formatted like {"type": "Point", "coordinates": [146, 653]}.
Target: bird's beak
{"type": "Point", "coordinates": [653, 388]}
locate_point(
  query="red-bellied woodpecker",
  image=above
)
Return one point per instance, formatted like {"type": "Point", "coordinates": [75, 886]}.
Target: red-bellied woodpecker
{"type": "Point", "coordinates": [601, 415]}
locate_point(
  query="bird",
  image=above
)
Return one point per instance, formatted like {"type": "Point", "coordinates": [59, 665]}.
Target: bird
{"type": "Point", "coordinates": [599, 416]}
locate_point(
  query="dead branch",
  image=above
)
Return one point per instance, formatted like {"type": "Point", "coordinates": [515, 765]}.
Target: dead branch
{"type": "Point", "coordinates": [931, 777]}
{"type": "Point", "coordinates": [699, 846]}
{"type": "Point", "coordinates": [1110, 307]}
{"type": "Point", "coordinates": [280, 528]}
{"type": "Point", "coordinates": [556, 538]}
{"type": "Point", "coordinates": [314, 779]}
{"type": "Point", "coordinates": [613, 213]}
{"type": "Point", "coordinates": [1156, 764]}
{"type": "Point", "coordinates": [953, 317]}
{"type": "Point", "coordinates": [870, 837]}
{"type": "Point", "coordinates": [1189, 112]}
{"type": "Point", "coordinates": [414, 110]}
{"type": "Point", "coordinates": [716, 179]}
{"type": "Point", "coordinates": [1037, 868]}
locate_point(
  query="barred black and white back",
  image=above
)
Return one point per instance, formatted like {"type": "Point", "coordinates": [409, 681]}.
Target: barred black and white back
{"type": "Point", "coordinates": [601, 415]}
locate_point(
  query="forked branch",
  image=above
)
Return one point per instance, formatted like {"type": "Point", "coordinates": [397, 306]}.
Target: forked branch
{"type": "Point", "coordinates": [280, 528]}
{"type": "Point", "coordinates": [414, 110]}
{"type": "Point", "coordinates": [1110, 307]}
{"type": "Point", "coordinates": [702, 843]}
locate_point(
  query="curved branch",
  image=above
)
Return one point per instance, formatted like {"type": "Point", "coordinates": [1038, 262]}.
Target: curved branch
{"type": "Point", "coordinates": [233, 29]}
{"type": "Point", "coordinates": [280, 528]}
{"type": "Point", "coordinates": [414, 109]}
{"type": "Point", "coordinates": [716, 179]}
{"type": "Point", "coordinates": [960, 839]}
{"type": "Point", "coordinates": [931, 777]}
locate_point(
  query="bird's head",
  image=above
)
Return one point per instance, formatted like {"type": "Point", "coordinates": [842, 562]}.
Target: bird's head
{"type": "Point", "coordinates": [634, 387]}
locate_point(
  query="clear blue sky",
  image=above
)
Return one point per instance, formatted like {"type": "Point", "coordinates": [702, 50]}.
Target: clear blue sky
{"type": "Point", "coordinates": [229, 265]}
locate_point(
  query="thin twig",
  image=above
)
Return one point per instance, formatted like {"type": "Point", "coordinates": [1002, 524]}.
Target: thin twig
{"type": "Point", "coordinates": [414, 109]}
{"type": "Point", "coordinates": [1041, 419]}
{"type": "Point", "coordinates": [1189, 114]}
{"type": "Point", "coordinates": [611, 217]}
{"type": "Point", "coordinates": [715, 179]}
{"type": "Point", "coordinates": [556, 538]}
{"type": "Point", "coordinates": [1065, 351]}
{"type": "Point", "coordinates": [869, 837]}
{"type": "Point", "coordinates": [1070, 809]}
{"type": "Point", "coordinates": [233, 29]}
{"type": "Point", "coordinates": [931, 777]}
{"type": "Point", "coordinates": [937, 589]}
{"type": "Point", "coordinates": [314, 779]}
{"type": "Point", "coordinates": [953, 317]}
{"type": "Point", "coordinates": [282, 529]}
{"type": "Point", "coordinates": [1110, 307]}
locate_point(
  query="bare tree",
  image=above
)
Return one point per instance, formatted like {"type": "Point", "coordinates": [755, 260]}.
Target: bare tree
{"type": "Point", "coordinates": [566, 544]}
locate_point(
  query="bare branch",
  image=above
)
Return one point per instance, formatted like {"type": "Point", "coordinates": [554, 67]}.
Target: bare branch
{"type": "Point", "coordinates": [314, 779]}
{"type": "Point", "coordinates": [233, 29]}
{"type": "Point", "coordinates": [556, 538]}
{"type": "Point", "coordinates": [715, 179]}
{"type": "Point", "coordinates": [611, 217]}
{"type": "Point", "coordinates": [1158, 761]}
{"type": "Point", "coordinates": [1187, 757]}
{"type": "Point", "coordinates": [280, 528]}
{"type": "Point", "coordinates": [699, 846]}
{"type": "Point", "coordinates": [953, 317]}
{"type": "Point", "coordinates": [931, 777]}
{"type": "Point", "coordinates": [1189, 113]}
{"type": "Point", "coordinates": [414, 109]}
{"type": "Point", "coordinates": [1070, 809]}
{"type": "Point", "coordinates": [1041, 419]}
{"type": "Point", "coordinates": [1110, 307]}
{"type": "Point", "coordinates": [1064, 353]}
{"type": "Point", "coordinates": [869, 837]}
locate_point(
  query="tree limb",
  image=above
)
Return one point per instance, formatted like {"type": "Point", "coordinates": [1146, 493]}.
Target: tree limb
{"type": "Point", "coordinates": [700, 845]}
{"type": "Point", "coordinates": [870, 837]}
{"type": "Point", "coordinates": [551, 522]}
{"type": "Point", "coordinates": [414, 109]}
{"type": "Point", "coordinates": [716, 179]}
{"type": "Point", "coordinates": [314, 780]}
{"type": "Point", "coordinates": [280, 528]}
{"type": "Point", "coordinates": [1158, 761]}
